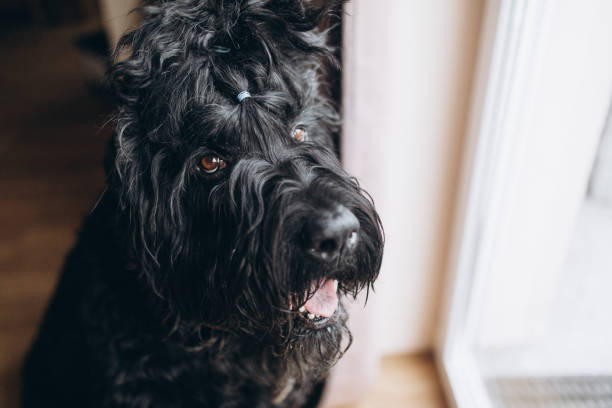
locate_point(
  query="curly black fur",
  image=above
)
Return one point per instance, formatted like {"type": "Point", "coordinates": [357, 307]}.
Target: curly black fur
{"type": "Point", "coordinates": [183, 287]}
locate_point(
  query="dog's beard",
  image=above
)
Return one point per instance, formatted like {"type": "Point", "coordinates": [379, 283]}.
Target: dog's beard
{"type": "Point", "coordinates": [291, 302]}
{"type": "Point", "coordinates": [240, 269]}
{"type": "Point", "coordinates": [231, 271]}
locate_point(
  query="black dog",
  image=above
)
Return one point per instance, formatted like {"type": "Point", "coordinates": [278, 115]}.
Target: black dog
{"type": "Point", "coordinates": [209, 273]}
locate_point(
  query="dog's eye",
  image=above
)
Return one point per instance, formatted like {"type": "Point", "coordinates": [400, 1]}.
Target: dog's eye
{"type": "Point", "coordinates": [210, 164]}
{"type": "Point", "coordinates": [300, 134]}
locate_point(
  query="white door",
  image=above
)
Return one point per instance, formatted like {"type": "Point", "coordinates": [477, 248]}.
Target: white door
{"type": "Point", "coordinates": [528, 317]}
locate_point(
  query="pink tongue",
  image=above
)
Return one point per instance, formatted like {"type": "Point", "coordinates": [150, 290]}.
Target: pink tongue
{"type": "Point", "coordinates": [324, 301]}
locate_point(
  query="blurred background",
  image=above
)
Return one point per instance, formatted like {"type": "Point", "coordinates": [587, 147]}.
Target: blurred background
{"type": "Point", "coordinates": [52, 112]}
{"type": "Point", "coordinates": [480, 127]}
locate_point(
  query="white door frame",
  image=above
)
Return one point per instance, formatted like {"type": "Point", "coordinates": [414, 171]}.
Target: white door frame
{"type": "Point", "coordinates": [541, 94]}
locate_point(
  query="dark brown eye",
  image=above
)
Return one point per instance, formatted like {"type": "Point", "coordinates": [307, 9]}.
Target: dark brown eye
{"type": "Point", "coordinates": [210, 164]}
{"type": "Point", "coordinates": [300, 134]}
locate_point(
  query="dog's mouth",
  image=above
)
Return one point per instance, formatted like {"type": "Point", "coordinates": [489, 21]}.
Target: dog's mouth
{"type": "Point", "coordinates": [321, 309]}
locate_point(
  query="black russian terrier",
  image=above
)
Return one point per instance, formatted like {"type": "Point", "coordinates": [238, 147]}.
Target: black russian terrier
{"type": "Point", "coordinates": [210, 272]}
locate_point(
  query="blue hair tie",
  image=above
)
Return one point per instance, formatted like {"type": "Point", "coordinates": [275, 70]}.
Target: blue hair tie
{"type": "Point", "coordinates": [243, 95]}
{"type": "Point", "coordinates": [220, 49]}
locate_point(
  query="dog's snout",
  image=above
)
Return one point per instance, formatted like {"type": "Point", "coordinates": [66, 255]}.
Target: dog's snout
{"type": "Point", "coordinates": [333, 232]}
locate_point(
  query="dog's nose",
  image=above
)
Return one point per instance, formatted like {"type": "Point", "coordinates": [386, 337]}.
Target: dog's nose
{"type": "Point", "coordinates": [333, 232]}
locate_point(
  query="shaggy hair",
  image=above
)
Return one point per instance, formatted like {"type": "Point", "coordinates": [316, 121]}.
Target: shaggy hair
{"type": "Point", "coordinates": [184, 286]}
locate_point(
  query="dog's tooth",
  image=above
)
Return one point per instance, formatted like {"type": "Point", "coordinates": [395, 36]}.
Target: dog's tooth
{"type": "Point", "coordinates": [335, 285]}
{"type": "Point", "coordinates": [311, 316]}
{"type": "Point", "coordinates": [302, 309]}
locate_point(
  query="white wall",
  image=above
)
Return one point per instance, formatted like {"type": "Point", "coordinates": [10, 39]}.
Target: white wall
{"type": "Point", "coordinates": [408, 68]}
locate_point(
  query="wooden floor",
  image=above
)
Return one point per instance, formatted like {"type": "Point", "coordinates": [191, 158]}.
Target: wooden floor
{"type": "Point", "coordinates": [408, 381]}
{"type": "Point", "coordinates": [51, 148]}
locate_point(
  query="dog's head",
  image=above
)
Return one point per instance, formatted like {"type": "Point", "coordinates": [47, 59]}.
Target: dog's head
{"type": "Point", "coordinates": [241, 217]}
